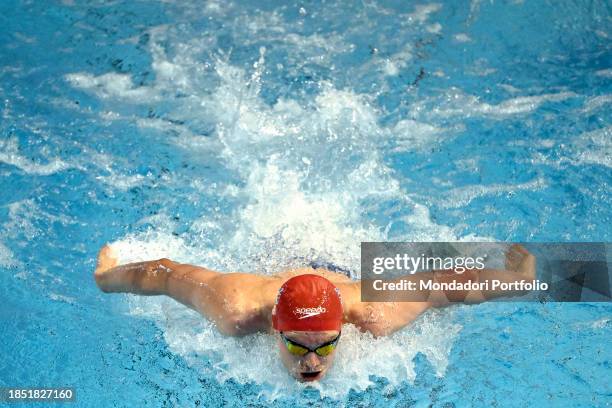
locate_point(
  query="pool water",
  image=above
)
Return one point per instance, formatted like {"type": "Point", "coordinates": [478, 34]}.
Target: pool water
{"type": "Point", "coordinates": [255, 136]}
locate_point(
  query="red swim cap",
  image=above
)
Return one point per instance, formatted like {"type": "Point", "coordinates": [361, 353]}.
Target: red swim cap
{"type": "Point", "coordinates": [307, 303]}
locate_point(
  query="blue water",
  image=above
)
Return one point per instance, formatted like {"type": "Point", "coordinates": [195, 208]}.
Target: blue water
{"type": "Point", "coordinates": [248, 135]}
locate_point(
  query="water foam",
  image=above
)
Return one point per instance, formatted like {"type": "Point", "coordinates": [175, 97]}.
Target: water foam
{"type": "Point", "coordinates": [26, 222]}
{"type": "Point", "coordinates": [606, 73]}
{"type": "Point", "coordinates": [462, 38]}
{"type": "Point", "coordinates": [309, 169]}
{"type": "Point", "coordinates": [422, 11]}
{"type": "Point", "coordinates": [594, 147]}
{"type": "Point", "coordinates": [254, 358]}
{"type": "Point", "coordinates": [27, 219]}
{"type": "Point", "coordinates": [596, 102]}
{"type": "Point", "coordinates": [9, 154]}
{"type": "Point", "coordinates": [457, 103]}
{"type": "Point", "coordinates": [462, 196]}
{"type": "Point", "coordinates": [111, 85]}
{"type": "Point", "coordinates": [7, 258]}
{"type": "Point", "coordinates": [588, 148]}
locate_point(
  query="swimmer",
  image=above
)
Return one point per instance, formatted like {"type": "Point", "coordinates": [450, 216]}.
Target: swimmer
{"type": "Point", "coordinates": [303, 308]}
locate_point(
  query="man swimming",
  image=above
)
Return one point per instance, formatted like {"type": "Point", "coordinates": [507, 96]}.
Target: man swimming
{"type": "Point", "coordinates": [304, 308]}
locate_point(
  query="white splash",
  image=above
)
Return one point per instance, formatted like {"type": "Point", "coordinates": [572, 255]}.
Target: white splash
{"type": "Point", "coordinates": [63, 299]}
{"type": "Point", "coordinates": [9, 154]}
{"type": "Point", "coordinates": [7, 258]}
{"type": "Point", "coordinates": [606, 73]}
{"type": "Point", "coordinates": [596, 102]}
{"type": "Point", "coordinates": [27, 219]}
{"type": "Point", "coordinates": [594, 147]}
{"type": "Point", "coordinates": [601, 323]}
{"type": "Point", "coordinates": [462, 38]}
{"type": "Point", "coordinates": [456, 103]}
{"type": "Point", "coordinates": [309, 170]}
{"type": "Point", "coordinates": [462, 196]}
{"type": "Point", "coordinates": [422, 11]}
{"type": "Point", "coordinates": [112, 85]}
{"type": "Point", "coordinates": [254, 358]}
{"type": "Point", "coordinates": [435, 28]}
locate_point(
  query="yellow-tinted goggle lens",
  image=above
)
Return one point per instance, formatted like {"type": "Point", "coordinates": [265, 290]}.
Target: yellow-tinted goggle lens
{"type": "Point", "coordinates": [295, 349]}
{"type": "Point", "coordinates": [325, 350]}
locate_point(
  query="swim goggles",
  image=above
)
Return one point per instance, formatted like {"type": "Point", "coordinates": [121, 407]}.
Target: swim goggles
{"type": "Point", "coordinates": [298, 349]}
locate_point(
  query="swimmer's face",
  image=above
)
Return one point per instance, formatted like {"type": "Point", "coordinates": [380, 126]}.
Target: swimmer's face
{"type": "Point", "coordinates": [311, 366]}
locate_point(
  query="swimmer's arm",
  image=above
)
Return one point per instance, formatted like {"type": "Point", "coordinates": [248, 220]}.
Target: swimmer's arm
{"type": "Point", "coordinates": [149, 278]}
{"type": "Point", "coordinates": [233, 301]}
{"type": "Point", "coordinates": [384, 318]}
{"type": "Point", "coordinates": [520, 265]}
{"type": "Point", "coordinates": [378, 318]}
{"type": "Point", "coordinates": [143, 278]}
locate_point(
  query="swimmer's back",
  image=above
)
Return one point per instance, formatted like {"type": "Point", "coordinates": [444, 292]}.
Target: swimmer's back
{"type": "Point", "coordinates": [333, 277]}
{"type": "Point", "coordinates": [241, 303]}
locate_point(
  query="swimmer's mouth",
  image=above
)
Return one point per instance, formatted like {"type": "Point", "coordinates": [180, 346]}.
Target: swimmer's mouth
{"type": "Point", "coordinates": [311, 376]}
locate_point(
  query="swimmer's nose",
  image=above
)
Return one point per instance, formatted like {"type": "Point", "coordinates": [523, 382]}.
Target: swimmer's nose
{"type": "Point", "coordinates": [311, 361]}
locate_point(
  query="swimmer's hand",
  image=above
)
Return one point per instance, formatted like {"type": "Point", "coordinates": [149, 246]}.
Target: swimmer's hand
{"type": "Point", "coordinates": [107, 259]}
{"type": "Point", "coordinates": [520, 265]}
{"type": "Point", "coordinates": [518, 259]}
{"type": "Point", "coordinates": [140, 277]}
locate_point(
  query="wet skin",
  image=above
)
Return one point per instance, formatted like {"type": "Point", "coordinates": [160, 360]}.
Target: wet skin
{"type": "Point", "coordinates": [242, 303]}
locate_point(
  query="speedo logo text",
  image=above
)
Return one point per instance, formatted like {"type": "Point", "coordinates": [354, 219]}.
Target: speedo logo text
{"type": "Point", "coordinates": [309, 311]}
